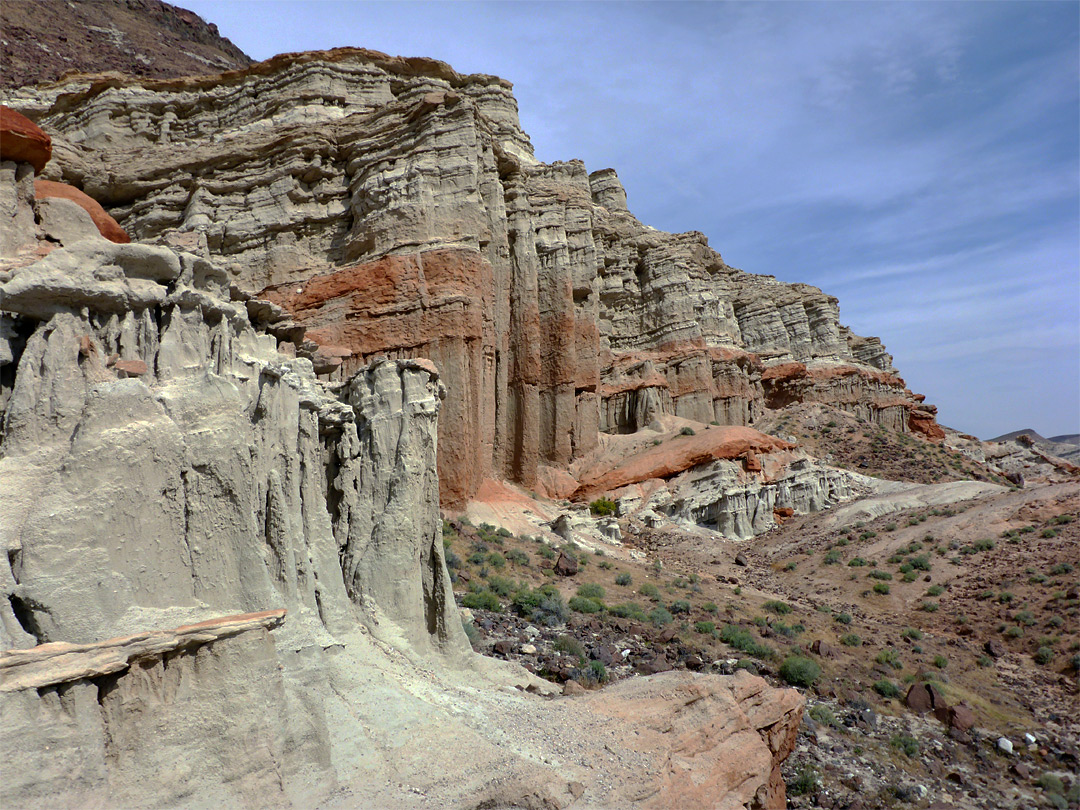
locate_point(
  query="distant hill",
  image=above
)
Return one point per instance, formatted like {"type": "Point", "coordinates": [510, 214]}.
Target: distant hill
{"type": "Point", "coordinates": [43, 39]}
{"type": "Point", "coordinates": [1066, 446]}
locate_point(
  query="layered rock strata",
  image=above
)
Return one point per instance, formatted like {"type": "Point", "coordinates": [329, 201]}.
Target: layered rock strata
{"type": "Point", "coordinates": [551, 311]}
{"type": "Point", "coordinates": [161, 461]}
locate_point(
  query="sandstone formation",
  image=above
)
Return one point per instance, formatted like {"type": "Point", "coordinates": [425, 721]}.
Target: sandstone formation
{"type": "Point", "coordinates": [106, 225]}
{"type": "Point", "coordinates": [167, 460]}
{"type": "Point", "coordinates": [22, 140]}
{"type": "Point", "coordinates": [394, 208]}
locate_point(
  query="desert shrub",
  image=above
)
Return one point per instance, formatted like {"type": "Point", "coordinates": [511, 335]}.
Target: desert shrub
{"type": "Point", "coordinates": [680, 606]}
{"type": "Point", "coordinates": [850, 640]}
{"type": "Point", "coordinates": [624, 579]}
{"type": "Point", "coordinates": [687, 431]}
{"type": "Point", "coordinates": [742, 639]}
{"type": "Point", "coordinates": [984, 595]}
{"type": "Point", "coordinates": [928, 607]}
{"type": "Point", "coordinates": [1056, 621]}
{"type": "Point", "coordinates": [496, 560]}
{"type": "Point", "coordinates": [857, 562]}
{"type": "Point", "coordinates": [660, 617]}
{"type": "Point", "coordinates": [517, 556]}
{"type": "Point", "coordinates": [452, 560]}
{"type": "Point", "coordinates": [777, 607]}
{"type": "Point", "coordinates": [501, 586]}
{"type": "Point", "coordinates": [882, 575]}
{"type": "Point", "coordinates": [591, 591]}
{"type": "Point", "coordinates": [887, 689]}
{"type": "Point", "coordinates": [912, 633]}
{"type": "Point", "coordinates": [1044, 655]}
{"type": "Point", "coordinates": [842, 618]}
{"type": "Point", "coordinates": [1048, 533]}
{"type": "Point", "coordinates": [1061, 568]}
{"type": "Point", "coordinates": [547, 552]}
{"type": "Point", "coordinates": [832, 557]}
{"type": "Point", "coordinates": [824, 715]}
{"type": "Point", "coordinates": [791, 566]}
{"type": "Point", "coordinates": [799, 671]}
{"type": "Point", "coordinates": [583, 604]}
{"type": "Point", "coordinates": [1052, 784]}
{"type": "Point", "coordinates": [710, 607]}
{"type": "Point", "coordinates": [603, 507]}
{"type": "Point", "coordinates": [985, 661]}
{"type": "Point", "coordinates": [569, 645]}
{"type": "Point", "coordinates": [1014, 632]}
{"type": "Point", "coordinates": [1024, 617]}
{"type": "Point", "coordinates": [890, 527]}
{"type": "Point", "coordinates": [881, 587]}
{"type": "Point", "coordinates": [478, 557]}
{"type": "Point", "coordinates": [867, 535]}
{"type": "Point", "coordinates": [804, 782]}
{"type": "Point", "coordinates": [935, 590]}
{"type": "Point", "coordinates": [1061, 519]}
{"type": "Point", "coordinates": [649, 591]}
{"type": "Point", "coordinates": [706, 628]}
{"type": "Point", "coordinates": [908, 746]}
{"type": "Point", "coordinates": [482, 600]}
{"type": "Point", "coordinates": [629, 610]}
{"type": "Point", "coordinates": [921, 562]}
{"type": "Point", "coordinates": [607, 565]}
{"type": "Point", "coordinates": [544, 605]}
{"type": "Point", "coordinates": [940, 661]}
{"type": "Point", "coordinates": [471, 633]}
{"type": "Point", "coordinates": [909, 576]}
{"type": "Point", "coordinates": [986, 544]}
{"type": "Point", "coordinates": [889, 657]}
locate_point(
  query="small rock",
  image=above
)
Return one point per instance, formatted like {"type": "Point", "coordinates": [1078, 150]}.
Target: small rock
{"type": "Point", "coordinates": [994, 648]}
{"type": "Point", "coordinates": [577, 790]}
{"type": "Point", "coordinates": [1004, 745]}
{"type": "Point", "coordinates": [824, 649]}
{"type": "Point", "coordinates": [1021, 770]}
{"type": "Point", "coordinates": [961, 718]}
{"type": "Point", "coordinates": [466, 615]}
{"type": "Point", "coordinates": [1029, 738]}
{"type": "Point", "coordinates": [504, 647]}
{"type": "Point", "coordinates": [528, 649]}
{"type": "Point", "coordinates": [740, 559]}
{"type": "Point", "coordinates": [572, 687]}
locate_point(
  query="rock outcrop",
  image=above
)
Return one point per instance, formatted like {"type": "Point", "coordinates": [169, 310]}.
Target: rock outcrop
{"type": "Point", "coordinates": [165, 460]}
{"type": "Point", "coordinates": [394, 208]}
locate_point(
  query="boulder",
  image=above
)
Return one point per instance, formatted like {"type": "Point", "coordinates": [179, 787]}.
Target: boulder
{"type": "Point", "coordinates": [566, 565]}
{"type": "Point", "coordinates": [22, 140]}
{"type": "Point", "coordinates": [106, 225]}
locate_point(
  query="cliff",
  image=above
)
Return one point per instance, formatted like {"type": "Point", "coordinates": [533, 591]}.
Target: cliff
{"type": "Point", "coordinates": [393, 208]}
{"type": "Point", "coordinates": [224, 582]}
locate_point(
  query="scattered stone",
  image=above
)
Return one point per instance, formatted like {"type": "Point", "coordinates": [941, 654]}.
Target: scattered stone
{"type": "Point", "coordinates": [824, 649]}
{"type": "Point", "coordinates": [528, 649]}
{"type": "Point", "coordinates": [1004, 745]}
{"type": "Point", "coordinates": [572, 687]}
{"type": "Point", "coordinates": [740, 559]}
{"type": "Point", "coordinates": [994, 648]}
{"type": "Point", "coordinates": [566, 566]}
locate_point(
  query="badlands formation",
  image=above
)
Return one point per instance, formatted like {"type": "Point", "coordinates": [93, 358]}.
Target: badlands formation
{"type": "Point", "coordinates": [262, 330]}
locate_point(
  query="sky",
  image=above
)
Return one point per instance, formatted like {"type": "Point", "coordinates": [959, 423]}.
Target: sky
{"type": "Point", "coordinates": [919, 161]}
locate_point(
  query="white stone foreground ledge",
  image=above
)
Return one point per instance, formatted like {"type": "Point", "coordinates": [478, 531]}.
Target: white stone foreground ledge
{"type": "Point", "coordinates": [60, 661]}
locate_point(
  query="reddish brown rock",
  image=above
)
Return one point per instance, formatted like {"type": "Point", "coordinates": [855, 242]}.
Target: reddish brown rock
{"type": "Point", "coordinates": [566, 565]}
{"type": "Point", "coordinates": [106, 225]}
{"type": "Point", "coordinates": [22, 140]}
{"type": "Point", "coordinates": [130, 368]}
{"type": "Point", "coordinates": [961, 717]}
{"type": "Point", "coordinates": [922, 698]}
{"type": "Point", "coordinates": [824, 649]}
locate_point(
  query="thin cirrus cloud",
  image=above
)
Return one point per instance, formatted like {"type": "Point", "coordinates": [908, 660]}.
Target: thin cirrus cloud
{"type": "Point", "coordinates": [917, 160]}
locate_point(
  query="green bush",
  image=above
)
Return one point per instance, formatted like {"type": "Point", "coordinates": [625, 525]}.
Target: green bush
{"type": "Point", "coordinates": [850, 640]}
{"type": "Point", "coordinates": [624, 579]}
{"type": "Point", "coordinates": [928, 607]}
{"type": "Point", "coordinates": [742, 639]}
{"type": "Point", "coordinates": [501, 586]}
{"type": "Point", "coordinates": [940, 661]}
{"type": "Point", "coordinates": [857, 562]}
{"type": "Point", "coordinates": [881, 587]}
{"type": "Point", "coordinates": [687, 431]}
{"type": "Point", "coordinates": [886, 688]}
{"type": "Point", "coordinates": [832, 557]}
{"type": "Point", "coordinates": [799, 671]}
{"type": "Point", "coordinates": [706, 628]}
{"type": "Point", "coordinates": [496, 560]}
{"type": "Point", "coordinates": [843, 618]}
{"type": "Point", "coordinates": [920, 563]}
{"type": "Point", "coordinates": [1044, 655]}
{"type": "Point", "coordinates": [935, 590]}
{"type": "Point", "coordinates": [604, 507]}
{"type": "Point", "coordinates": [1014, 632]}
{"type": "Point", "coordinates": [710, 607]}
{"type": "Point", "coordinates": [629, 610]}
{"type": "Point", "coordinates": [1024, 617]}
{"type": "Point", "coordinates": [680, 606]}
{"type": "Point", "coordinates": [660, 617]}
{"type": "Point", "coordinates": [882, 575]}
{"type": "Point", "coordinates": [1061, 568]}
{"type": "Point", "coordinates": [985, 661]}
{"type": "Point", "coordinates": [582, 604]}
{"type": "Point", "coordinates": [908, 746]}
{"type": "Point", "coordinates": [544, 605]}
{"type": "Point", "coordinates": [482, 600]}
{"type": "Point", "coordinates": [824, 715]}
{"type": "Point", "coordinates": [569, 645]}
{"type": "Point", "coordinates": [777, 607]}
{"type": "Point", "coordinates": [471, 633]}
{"type": "Point", "coordinates": [804, 782]}
{"type": "Point", "coordinates": [889, 657]}
{"type": "Point", "coordinates": [649, 591]}
{"type": "Point", "coordinates": [591, 591]}
{"type": "Point", "coordinates": [517, 556]}
{"type": "Point", "coordinates": [912, 633]}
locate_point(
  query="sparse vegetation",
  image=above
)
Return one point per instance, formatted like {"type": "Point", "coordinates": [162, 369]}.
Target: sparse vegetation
{"type": "Point", "coordinates": [799, 671]}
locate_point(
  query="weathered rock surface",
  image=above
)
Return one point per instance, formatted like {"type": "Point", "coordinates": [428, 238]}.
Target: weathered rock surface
{"type": "Point", "coordinates": [22, 140]}
{"type": "Point", "coordinates": [162, 463]}
{"type": "Point", "coordinates": [552, 313]}
{"type": "Point", "coordinates": [106, 225]}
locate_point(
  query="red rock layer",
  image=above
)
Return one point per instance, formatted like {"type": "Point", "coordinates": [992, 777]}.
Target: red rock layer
{"type": "Point", "coordinates": [106, 225]}
{"type": "Point", "coordinates": [22, 140]}
{"type": "Point", "coordinates": [435, 304]}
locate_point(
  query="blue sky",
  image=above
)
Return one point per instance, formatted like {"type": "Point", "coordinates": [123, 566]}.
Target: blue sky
{"type": "Point", "coordinates": [920, 161]}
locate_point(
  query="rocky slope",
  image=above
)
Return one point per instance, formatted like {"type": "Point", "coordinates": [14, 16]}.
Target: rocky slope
{"type": "Point", "coordinates": [393, 207]}
{"type": "Point", "coordinates": [43, 39]}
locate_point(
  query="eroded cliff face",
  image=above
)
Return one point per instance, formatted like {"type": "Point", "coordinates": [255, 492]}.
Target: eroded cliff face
{"type": "Point", "coordinates": [223, 582]}
{"type": "Point", "coordinates": [394, 208]}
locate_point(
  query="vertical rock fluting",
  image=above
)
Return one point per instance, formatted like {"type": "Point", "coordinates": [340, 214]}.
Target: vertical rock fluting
{"type": "Point", "coordinates": [394, 208]}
